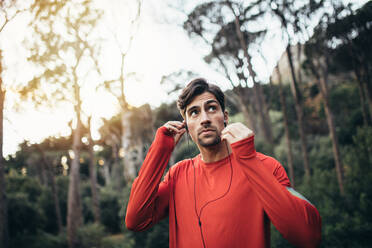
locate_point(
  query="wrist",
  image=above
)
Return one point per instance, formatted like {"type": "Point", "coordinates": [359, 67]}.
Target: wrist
{"type": "Point", "coordinates": [164, 137]}
{"type": "Point", "coordinates": [245, 147]}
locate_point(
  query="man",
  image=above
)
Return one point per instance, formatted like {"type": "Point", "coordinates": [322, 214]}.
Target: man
{"type": "Point", "coordinates": [227, 195]}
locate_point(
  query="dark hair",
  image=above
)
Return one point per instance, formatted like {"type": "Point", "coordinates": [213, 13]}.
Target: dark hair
{"type": "Point", "coordinates": [197, 87]}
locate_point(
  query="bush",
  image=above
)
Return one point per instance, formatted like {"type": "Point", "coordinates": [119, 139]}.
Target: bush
{"type": "Point", "coordinates": [117, 241]}
{"type": "Point", "coordinates": [110, 208]}
{"type": "Point", "coordinates": [24, 216]}
{"type": "Point", "coordinates": [40, 240]}
{"type": "Point", "coordinates": [91, 235]}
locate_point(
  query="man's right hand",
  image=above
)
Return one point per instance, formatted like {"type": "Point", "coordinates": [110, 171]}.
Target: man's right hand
{"type": "Point", "coordinates": [175, 128]}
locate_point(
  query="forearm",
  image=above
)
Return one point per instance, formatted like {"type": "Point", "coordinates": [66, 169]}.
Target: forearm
{"type": "Point", "coordinates": [296, 219]}
{"type": "Point", "coordinates": [147, 203]}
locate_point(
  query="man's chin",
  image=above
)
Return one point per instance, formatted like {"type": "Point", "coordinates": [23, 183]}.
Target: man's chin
{"type": "Point", "coordinates": [209, 142]}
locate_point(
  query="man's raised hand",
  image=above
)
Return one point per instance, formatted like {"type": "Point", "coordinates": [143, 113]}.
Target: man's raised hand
{"type": "Point", "coordinates": [235, 132]}
{"type": "Point", "coordinates": [176, 128]}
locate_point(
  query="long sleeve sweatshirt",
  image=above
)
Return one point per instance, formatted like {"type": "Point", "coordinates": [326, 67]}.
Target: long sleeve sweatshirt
{"type": "Point", "coordinates": [228, 203]}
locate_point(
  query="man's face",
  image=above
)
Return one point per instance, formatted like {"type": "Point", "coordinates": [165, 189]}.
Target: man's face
{"type": "Point", "coordinates": [205, 120]}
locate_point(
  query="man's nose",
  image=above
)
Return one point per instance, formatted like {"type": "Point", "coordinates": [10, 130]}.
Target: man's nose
{"type": "Point", "coordinates": [205, 119]}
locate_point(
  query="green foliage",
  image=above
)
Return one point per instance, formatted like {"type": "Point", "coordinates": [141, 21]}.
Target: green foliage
{"type": "Point", "coordinates": [156, 236]}
{"type": "Point", "coordinates": [62, 189]}
{"type": "Point", "coordinates": [165, 113]}
{"type": "Point", "coordinates": [46, 204]}
{"type": "Point", "coordinates": [346, 221]}
{"type": "Point", "coordinates": [345, 100]}
{"type": "Point", "coordinates": [86, 201]}
{"type": "Point", "coordinates": [110, 208]}
{"type": "Point", "coordinates": [236, 118]}
{"type": "Point", "coordinates": [40, 240]}
{"type": "Point", "coordinates": [186, 149]}
{"type": "Point", "coordinates": [117, 241]}
{"type": "Point", "coordinates": [91, 235]}
{"type": "Point", "coordinates": [24, 214]}
{"type": "Point", "coordinates": [25, 217]}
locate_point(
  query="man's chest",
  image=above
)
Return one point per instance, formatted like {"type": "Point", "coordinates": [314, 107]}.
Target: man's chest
{"type": "Point", "coordinates": [223, 196]}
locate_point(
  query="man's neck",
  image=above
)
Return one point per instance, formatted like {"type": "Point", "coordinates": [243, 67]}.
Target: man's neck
{"type": "Point", "coordinates": [214, 153]}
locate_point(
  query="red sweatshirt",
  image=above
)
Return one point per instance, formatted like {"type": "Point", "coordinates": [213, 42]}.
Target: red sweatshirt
{"type": "Point", "coordinates": [257, 195]}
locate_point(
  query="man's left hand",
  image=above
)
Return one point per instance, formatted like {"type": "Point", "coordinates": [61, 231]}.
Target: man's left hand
{"type": "Point", "coordinates": [235, 132]}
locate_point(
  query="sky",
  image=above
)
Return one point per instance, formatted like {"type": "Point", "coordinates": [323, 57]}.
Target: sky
{"type": "Point", "coordinates": [160, 47]}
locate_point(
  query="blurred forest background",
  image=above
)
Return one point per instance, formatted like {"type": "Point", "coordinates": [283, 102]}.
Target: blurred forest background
{"type": "Point", "coordinates": [314, 115]}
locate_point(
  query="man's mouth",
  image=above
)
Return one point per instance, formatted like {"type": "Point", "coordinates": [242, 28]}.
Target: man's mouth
{"type": "Point", "coordinates": [206, 131]}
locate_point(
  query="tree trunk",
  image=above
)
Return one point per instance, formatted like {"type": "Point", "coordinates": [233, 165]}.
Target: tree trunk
{"type": "Point", "coordinates": [42, 174]}
{"type": "Point", "coordinates": [264, 119]}
{"type": "Point", "coordinates": [3, 200]}
{"type": "Point", "coordinates": [74, 209]}
{"type": "Point", "coordinates": [321, 81]}
{"type": "Point", "coordinates": [362, 97]}
{"type": "Point", "coordinates": [239, 97]}
{"type": "Point", "coordinates": [244, 107]}
{"type": "Point", "coordinates": [299, 112]}
{"type": "Point", "coordinates": [286, 128]}
{"type": "Point", "coordinates": [368, 87]}
{"type": "Point", "coordinates": [130, 168]}
{"type": "Point", "coordinates": [266, 116]}
{"type": "Point", "coordinates": [106, 173]}
{"type": "Point", "coordinates": [299, 55]}
{"type": "Point", "coordinates": [322, 84]}
{"type": "Point", "coordinates": [93, 176]}
{"type": "Point", "coordinates": [53, 187]}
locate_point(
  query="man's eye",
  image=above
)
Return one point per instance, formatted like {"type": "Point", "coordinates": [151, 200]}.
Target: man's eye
{"type": "Point", "coordinates": [194, 112]}
{"type": "Point", "coordinates": [212, 108]}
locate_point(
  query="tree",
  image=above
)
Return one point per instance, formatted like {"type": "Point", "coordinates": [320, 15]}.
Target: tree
{"type": "Point", "coordinates": [116, 85]}
{"type": "Point", "coordinates": [93, 174]}
{"type": "Point", "coordinates": [228, 44]}
{"type": "Point", "coordinates": [351, 37]}
{"type": "Point", "coordinates": [110, 133]}
{"type": "Point", "coordinates": [289, 17]}
{"type": "Point", "coordinates": [3, 200]}
{"type": "Point", "coordinates": [317, 60]}
{"type": "Point", "coordinates": [61, 47]}
{"type": "Point", "coordinates": [286, 126]}
{"type": "Point", "coordinates": [239, 18]}
{"type": "Point", "coordinates": [8, 11]}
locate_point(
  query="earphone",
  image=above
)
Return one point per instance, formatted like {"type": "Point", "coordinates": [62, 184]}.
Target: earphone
{"type": "Point", "coordinates": [198, 215]}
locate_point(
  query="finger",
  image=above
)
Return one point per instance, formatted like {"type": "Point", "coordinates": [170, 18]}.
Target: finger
{"type": "Point", "coordinates": [236, 128]}
{"type": "Point", "coordinates": [176, 124]}
{"type": "Point", "coordinates": [179, 135]}
{"type": "Point", "coordinates": [227, 138]}
{"type": "Point", "coordinates": [225, 130]}
{"type": "Point", "coordinates": [172, 129]}
{"type": "Point", "coordinates": [228, 132]}
{"type": "Point", "coordinates": [181, 132]}
{"type": "Point", "coordinates": [227, 135]}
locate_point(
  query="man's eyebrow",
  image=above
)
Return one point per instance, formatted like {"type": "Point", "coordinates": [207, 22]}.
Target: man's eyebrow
{"type": "Point", "coordinates": [194, 107]}
{"type": "Point", "coordinates": [191, 108]}
{"type": "Point", "coordinates": [211, 101]}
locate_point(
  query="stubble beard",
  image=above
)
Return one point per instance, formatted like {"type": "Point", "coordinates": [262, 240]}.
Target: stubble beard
{"type": "Point", "coordinates": [215, 141]}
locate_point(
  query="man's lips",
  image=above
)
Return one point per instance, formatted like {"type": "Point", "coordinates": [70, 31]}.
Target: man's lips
{"type": "Point", "coordinates": [206, 130]}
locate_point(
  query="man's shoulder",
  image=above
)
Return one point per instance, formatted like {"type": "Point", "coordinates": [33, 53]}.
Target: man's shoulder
{"type": "Point", "coordinates": [180, 166]}
{"type": "Point", "coordinates": [275, 167]}
{"type": "Point", "coordinates": [268, 159]}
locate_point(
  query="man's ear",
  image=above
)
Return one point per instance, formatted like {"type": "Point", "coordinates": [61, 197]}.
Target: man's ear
{"type": "Point", "coordinates": [226, 117]}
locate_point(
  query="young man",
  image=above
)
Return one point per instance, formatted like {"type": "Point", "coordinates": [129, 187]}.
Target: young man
{"type": "Point", "coordinates": [227, 195]}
